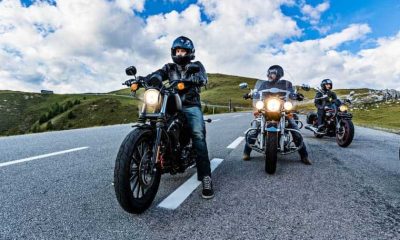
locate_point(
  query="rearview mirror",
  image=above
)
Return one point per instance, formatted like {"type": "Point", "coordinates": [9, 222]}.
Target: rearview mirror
{"type": "Point", "coordinates": [192, 68]}
{"type": "Point", "coordinates": [130, 71]}
{"type": "Point", "coordinates": [243, 85]}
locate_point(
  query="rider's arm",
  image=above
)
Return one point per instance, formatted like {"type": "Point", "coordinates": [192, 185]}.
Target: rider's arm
{"type": "Point", "coordinates": [318, 102]}
{"type": "Point", "coordinates": [157, 77]}
{"type": "Point", "coordinates": [293, 95]}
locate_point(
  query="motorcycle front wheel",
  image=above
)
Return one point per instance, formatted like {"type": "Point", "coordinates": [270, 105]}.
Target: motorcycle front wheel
{"type": "Point", "coordinates": [136, 179]}
{"type": "Point", "coordinates": [345, 134]}
{"type": "Point", "coordinates": [271, 152]}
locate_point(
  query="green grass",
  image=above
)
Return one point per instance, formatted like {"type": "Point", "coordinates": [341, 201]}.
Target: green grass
{"type": "Point", "coordinates": [386, 116]}
{"type": "Point", "coordinates": [21, 111]}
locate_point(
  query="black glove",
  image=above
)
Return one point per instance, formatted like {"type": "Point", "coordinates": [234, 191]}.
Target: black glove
{"type": "Point", "coordinates": [246, 96]}
{"type": "Point", "coordinates": [155, 80]}
{"type": "Point", "coordinates": [196, 80]}
{"type": "Point", "coordinates": [128, 82]}
{"type": "Point", "coordinates": [300, 97]}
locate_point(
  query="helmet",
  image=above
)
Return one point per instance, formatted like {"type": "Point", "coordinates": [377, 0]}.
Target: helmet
{"type": "Point", "coordinates": [325, 82]}
{"type": "Point", "coordinates": [184, 43]}
{"type": "Point", "coordinates": [275, 69]}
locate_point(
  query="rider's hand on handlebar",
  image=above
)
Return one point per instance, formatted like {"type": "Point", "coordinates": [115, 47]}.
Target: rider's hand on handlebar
{"type": "Point", "coordinates": [246, 96]}
{"type": "Point", "coordinates": [300, 97]}
{"type": "Point", "coordinates": [128, 82]}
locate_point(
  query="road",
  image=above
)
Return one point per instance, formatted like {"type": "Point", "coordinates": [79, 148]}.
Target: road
{"type": "Point", "coordinates": [348, 193]}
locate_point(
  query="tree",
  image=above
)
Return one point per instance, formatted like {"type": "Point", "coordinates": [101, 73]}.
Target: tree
{"type": "Point", "coordinates": [49, 126]}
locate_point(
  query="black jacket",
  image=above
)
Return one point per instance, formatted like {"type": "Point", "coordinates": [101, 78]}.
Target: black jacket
{"type": "Point", "coordinates": [321, 103]}
{"type": "Point", "coordinates": [191, 94]}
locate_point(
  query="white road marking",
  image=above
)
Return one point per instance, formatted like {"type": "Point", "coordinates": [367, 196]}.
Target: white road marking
{"type": "Point", "coordinates": [235, 116]}
{"type": "Point", "coordinates": [40, 156]}
{"type": "Point", "coordinates": [175, 199]}
{"type": "Point", "coordinates": [216, 120]}
{"type": "Point", "coordinates": [235, 143]}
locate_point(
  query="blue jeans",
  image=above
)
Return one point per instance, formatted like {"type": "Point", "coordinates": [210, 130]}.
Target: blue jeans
{"type": "Point", "coordinates": [296, 138]}
{"type": "Point", "coordinates": [194, 117]}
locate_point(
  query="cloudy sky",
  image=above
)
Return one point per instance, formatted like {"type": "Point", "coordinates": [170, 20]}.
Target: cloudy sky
{"type": "Point", "coordinates": [84, 46]}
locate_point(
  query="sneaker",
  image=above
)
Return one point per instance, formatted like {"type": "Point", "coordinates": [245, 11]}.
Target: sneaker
{"type": "Point", "coordinates": [208, 191]}
{"type": "Point", "coordinates": [305, 160]}
{"type": "Point", "coordinates": [246, 157]}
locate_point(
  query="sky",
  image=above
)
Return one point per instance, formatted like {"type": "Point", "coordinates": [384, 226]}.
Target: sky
{"type": "Point", "coordinates": [74, 46]}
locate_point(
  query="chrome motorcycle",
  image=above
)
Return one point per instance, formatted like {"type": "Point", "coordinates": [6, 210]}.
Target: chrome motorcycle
{"type": "Point", "coordinates": [270, 132]}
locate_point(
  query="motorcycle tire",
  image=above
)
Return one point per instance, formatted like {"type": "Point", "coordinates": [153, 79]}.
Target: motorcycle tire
{"type": "Point", "coordinates": [271, 152]}
{"type": "Point", "coordinates": [348, 136]}
{"type": "Point", "coordinates": [134, 192]}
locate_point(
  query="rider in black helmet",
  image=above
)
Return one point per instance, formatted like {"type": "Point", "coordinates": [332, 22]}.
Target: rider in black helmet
{"type": "Point", "coordinates": [321, 104]}
{"type": "Point", "coordinates": [182, 53]}
{"type": "Point", "coordinates": [275, 73]}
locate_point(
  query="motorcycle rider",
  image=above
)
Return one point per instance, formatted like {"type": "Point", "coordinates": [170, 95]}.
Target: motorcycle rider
{"type": "Point", "coordinates": [321, 103]}
{"type": "Point", "coordinates": [182, 53]}
{"type": "Point", "coordinates": [275, 73]}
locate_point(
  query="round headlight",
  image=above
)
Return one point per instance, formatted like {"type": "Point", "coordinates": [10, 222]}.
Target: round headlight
{"type": "Point", "coordinates": [343, 108]}
{"type": "Point", "coordinates": [259, 105]}
{"type": "Point", "coordinates": [273, 105]}
{"type": "Point", "coordinates": [151, 97]}
{"type": "Point", "coordinates": [288, 106]}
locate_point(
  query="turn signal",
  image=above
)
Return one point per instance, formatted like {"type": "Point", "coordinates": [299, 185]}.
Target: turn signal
{"type": "Point", "coordinates": [181, 86]}
{"type": "Point", "coordinates": [134, 87]}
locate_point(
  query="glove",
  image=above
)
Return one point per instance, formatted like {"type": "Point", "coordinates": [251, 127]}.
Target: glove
{"type": "Point", "coordinates": [326, 108]}
{"type": "Point", "coordinates": [155, 80]}
{"type": "Point", "coordinates": [128, 82]}
{"type": "Point", "coordinates": [246, 96]}
{"type": "Point", "coordinates": [300, 97]}
{"type": "Point", "coordinates": [196, 80]}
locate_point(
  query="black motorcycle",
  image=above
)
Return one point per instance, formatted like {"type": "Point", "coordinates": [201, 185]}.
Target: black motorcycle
{"type": "Point", "coordinates": [158, 144]}
{"type": "Point", "coordinates": [338, 122]}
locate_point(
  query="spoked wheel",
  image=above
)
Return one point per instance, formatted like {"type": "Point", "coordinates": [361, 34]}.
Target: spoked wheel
{"type": "Point", "coordinates": [345, 134]}
{"type": "Point", "coordinates": [136, 179]}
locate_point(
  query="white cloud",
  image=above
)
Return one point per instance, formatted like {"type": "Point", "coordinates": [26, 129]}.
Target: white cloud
{"type": "Point", "coordinates": [74, 47]}
{"type": "Point", "coordinates": [313, 14]}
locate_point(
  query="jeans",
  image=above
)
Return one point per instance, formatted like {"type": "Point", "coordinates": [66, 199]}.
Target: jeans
{"type": "Point", "coordinates": [296, 139]}
{"type": "Point", "coordinates": [321, 115]}
{"type": "Point", "coordinates": [195, 120]}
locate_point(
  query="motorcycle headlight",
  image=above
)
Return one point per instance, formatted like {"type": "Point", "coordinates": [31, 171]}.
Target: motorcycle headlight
{"type": "Point", "coordinates": [273, 105]}
{"type": "Point", "coordinates": [259, 105]}
{"type": "Point", "coordinates": [288, 106]}
{"type": "Point", "coordinates": [152, 97]}
{"type": "Point", "coordinates": [343, 108]}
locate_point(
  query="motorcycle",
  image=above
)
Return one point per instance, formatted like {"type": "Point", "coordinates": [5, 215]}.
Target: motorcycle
{"type": "Point", "coordinates": [338, 121]}
{"type": "Point", "coordinates": [159, 143]}
{"type": "Point", "coordinates": [269, 131]}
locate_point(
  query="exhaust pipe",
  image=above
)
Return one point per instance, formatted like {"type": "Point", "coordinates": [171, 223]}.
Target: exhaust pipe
{"type": "Point", "coordinates": [311, 128]}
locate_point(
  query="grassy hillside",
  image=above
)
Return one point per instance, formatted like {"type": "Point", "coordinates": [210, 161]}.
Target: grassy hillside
{"type": "Point", "coordinates": [23, 112]}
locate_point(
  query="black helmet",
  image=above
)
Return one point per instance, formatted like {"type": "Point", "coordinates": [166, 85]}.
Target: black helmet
{"type": "Point", "coordinates": [276, 69]}
{"type": "Point", "coordinates": [184, 43]}
{"type": "Point", "coordinates": [325, 82]}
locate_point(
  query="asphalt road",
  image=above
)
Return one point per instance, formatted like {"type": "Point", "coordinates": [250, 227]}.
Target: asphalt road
{"type": "Point", "coordinates": [348, 193]}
